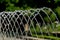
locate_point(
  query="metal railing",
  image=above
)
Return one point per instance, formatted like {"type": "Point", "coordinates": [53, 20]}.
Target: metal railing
{"type": "Point", "coordinates": [26, 24]}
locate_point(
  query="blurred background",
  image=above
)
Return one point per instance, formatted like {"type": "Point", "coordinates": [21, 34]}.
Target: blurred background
{"type": "Point", "coordinates": [12, 5]}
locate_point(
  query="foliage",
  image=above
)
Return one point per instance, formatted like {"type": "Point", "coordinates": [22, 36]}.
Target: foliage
{"type": "Point", "coordinates": [47, 37]}
{"type": "Point", "coordinates": [57, 10]}
{"type": "Point", "coordinates": [10, 5]}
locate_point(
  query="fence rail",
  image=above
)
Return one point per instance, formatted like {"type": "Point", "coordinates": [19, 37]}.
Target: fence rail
{"type": "Point", "coordinates": [36, 23]}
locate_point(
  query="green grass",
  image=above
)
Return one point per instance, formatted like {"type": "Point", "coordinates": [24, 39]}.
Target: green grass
{"type": "Point", "coordinates": [46, 37]}
{"type": "Point", "coordinates": [48, 29]}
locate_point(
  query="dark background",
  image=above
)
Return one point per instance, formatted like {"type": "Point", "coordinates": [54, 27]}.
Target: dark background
{"type": "Point", "coordinates": [12, 5]}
